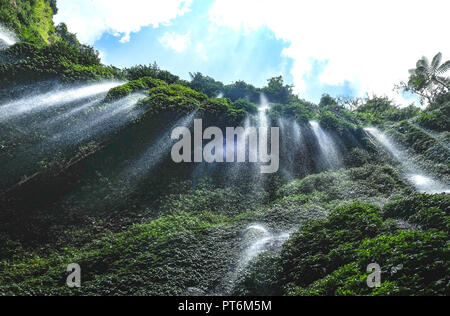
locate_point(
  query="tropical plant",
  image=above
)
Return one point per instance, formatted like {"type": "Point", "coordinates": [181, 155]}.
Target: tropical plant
{"type": "Point", "coordinates": [428, 79]}
{"type": "Point", "coordinates": [433, 72]}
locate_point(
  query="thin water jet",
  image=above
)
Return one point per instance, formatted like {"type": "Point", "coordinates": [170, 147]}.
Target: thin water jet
{"type": "Point", "coordinates": [328, 148]}
{"type": "Point", "coordinates": [427, 185]}
{"type": "Point", "coordinates": [297, 134]}
{"type": "Point", "coordinates": [101, 121]}
{"type": "Point", "coordinates": [7, 38]}
{"type": "Point", "coordinates": [262, 240]}
{"type": "Point", "coordinates": [434, 135]}
{"type": "Point", "coordinates": [74, 111]}
{"type": "Point", "coordinates": [384, 140]}
{"type": "Point", "coordinates": [31, 105]}
{"type": "Point", "coordinates": [264, 106]}
{"type": "Point", "coordinates": [257, 240]}
{"type": "Point", "coordinates": [418, 178]}
{"type": "Point", "coordinates": [156, 152]}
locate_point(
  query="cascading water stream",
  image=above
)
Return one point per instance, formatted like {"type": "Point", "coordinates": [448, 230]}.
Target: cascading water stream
{"type": "Point", "coordinates": [297, 135]}
{"type": "Point", "coordinates": [101, 121]}
{"type": "Point", "coordinates": [263, 125]}
{"type": "Point", "coordinates": [264, 106]}
{"type": "Point", "coordinates": [156, 152]}
{"type": "Point", "coordinates": [262, 240]}
{"type": "Point", "coordinates": [41, 102]}
{"type": "Point", "coordinates": [68, 136]}
{"type": "Point", "coordinates": [6, 37]}
{"type": "Point", "coordinates": [257, 240]}
{"type": "Point", "coordinates": [422, 182]}
{"type": "Point", "coordinates": [330, 153]}
{"type": "Point", "coordinates": [435, 135]}
{"type": "Point", "coordinates": [73, 112]}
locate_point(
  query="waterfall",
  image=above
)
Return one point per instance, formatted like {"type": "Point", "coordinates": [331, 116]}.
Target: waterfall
{"type": "Point", "coordinates": [257, 240]}
{"type": "Point", "coordinates": [384, 140]}
{"type": "Point", "coordinates": [6, 37]}
{"type": "Point", "coordinates": [421, 181]}
{"type": "Point", "coordinates": [264, 126]}
{"type": "Point", "coordinates": [99, 122]}
{"type": "Point", "coordinates": [157, 151]}
{"type": "Point", "coordinates": [72, 112]}
{"type": "Point", "coordinates": [435, 135]}
{"type": "Point", "coordinates": [61, 137]}
{"type": "Point", "coordinates": [264, 105]}
{"type": "Point", "coordinates": [262, 240]}
{"type": "Point", "coordinates": [330, 153]}
{"type": "Point", "coordinates": [50, 99]}
{"type": "Point", "coordinates": [290, 146]}
{"type": "Point", "coordinates": [297, 135]}
{"type": "Point", "coordinates": [220, 95]}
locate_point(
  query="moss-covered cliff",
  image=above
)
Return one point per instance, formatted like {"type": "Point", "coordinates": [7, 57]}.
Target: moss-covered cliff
{"type": "Point", "coordinates": [31, 20]}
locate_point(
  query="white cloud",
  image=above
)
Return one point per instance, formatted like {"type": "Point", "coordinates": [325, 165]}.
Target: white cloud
{"type": "Point", "coordinates": [372, 44]}
{"type": "Point", "coordinates": [175, 41]}
{"type": "Point", "coordinates": [201, 51]}
{"type": "Point", "coordinates": [102, 55]}
{"type": "Point", "coordinates": [89, 19]}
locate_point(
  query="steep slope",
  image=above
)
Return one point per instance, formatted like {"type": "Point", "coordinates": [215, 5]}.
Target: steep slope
{"type": "Point", "coordinates": [31, 20]}
{"type": "Point", "coordinates": [87, 177]}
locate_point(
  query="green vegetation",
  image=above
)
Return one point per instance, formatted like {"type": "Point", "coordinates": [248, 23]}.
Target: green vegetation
{"type": "Point", "coordinates": [330, 256]}
{"type": "Point", "coordinates": [144, 83]}
{"type": "Point", "coordinates": [61, 60]}
{"type": "Point", "coordinates": [32, 20]}
{"type": "Point", "coordinates": [428, 79]}
{"type": "Point", "coordinates": [140, 227]}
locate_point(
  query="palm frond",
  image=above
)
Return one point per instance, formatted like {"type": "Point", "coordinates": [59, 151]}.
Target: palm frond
{"type": "Point", "coordinates": [422, 71]}
{"type": "Point", "coordinates": [436, 62]}
{"type": "Point", "coordinates": [423, 62]}
{"type": "Point", "coordinates": [444, 68]}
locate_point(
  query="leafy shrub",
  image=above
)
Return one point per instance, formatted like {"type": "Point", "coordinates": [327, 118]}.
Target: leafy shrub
{"type": "Point", "coordinates": [321, 247]}
{"type": "Point", "coordinates": [153, 71]}
{"type": "Point", "coordinates": [277, 92]}
{"type": "Point", "coordinates": [413, 263]}
{"type": "Point", "coordinates": [206, 84]}
{"type": "Point", "coordinates": [404, 208]}
{"type": "Point", "coordinates": [245, 105]}
{"type": "Point", "coordinates": [145, 83]}
{"type": "Point", "coordinates": [300, 110]}
{"type": "Point", "coordinates": [69, 63]}
{"type": "Point", "coordinates": [438, 120]}
{"type": "Point", "coordinates": [357, 157]}
{"type": "Point", "coordinates": [242, 90]}
{"type": "Point", "coordinates": [261, 278]}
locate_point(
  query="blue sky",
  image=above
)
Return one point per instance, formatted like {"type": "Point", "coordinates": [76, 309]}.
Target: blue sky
{"type": "Point", "coordinates": [325, 46]}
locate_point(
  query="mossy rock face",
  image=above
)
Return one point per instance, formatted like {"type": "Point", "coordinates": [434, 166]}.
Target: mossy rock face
{"type": "Point", "coordinates": [30, 20]}
{"type": "Point", "coordinates": [141, 226]}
